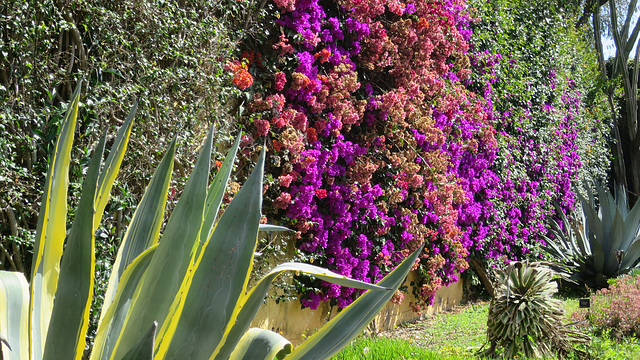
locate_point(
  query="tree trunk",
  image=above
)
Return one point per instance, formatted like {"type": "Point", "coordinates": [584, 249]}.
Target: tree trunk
{"type": "Point", "coordinates": [478, 267]}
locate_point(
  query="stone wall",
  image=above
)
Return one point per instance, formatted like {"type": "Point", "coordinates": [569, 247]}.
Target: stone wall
{"type": "Point", "coordinates": [295, 323]}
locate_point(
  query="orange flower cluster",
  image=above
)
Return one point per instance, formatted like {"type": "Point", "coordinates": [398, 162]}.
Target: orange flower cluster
{"type": "Point", "coordinates": [241, 76]}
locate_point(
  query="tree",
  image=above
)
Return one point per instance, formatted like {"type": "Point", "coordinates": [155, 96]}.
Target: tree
{"type": "Point", "coordinates": [626, 150]}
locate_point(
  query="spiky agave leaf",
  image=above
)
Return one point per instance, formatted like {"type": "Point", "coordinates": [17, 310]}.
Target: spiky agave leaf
{"type": "Point", "coordinates": [601, 242]}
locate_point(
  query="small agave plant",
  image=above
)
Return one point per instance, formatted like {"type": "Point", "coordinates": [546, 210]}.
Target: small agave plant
{"type": "Point", "coordinates": [181, 294]}
{"type": "Point", "coordinates": [603, 243]}
{"type": "Point", "coordinates": [524, 319]}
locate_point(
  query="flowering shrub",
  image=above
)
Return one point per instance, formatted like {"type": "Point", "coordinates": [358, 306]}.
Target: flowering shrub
{"type": "Point", "coordinates": [376, 143]}
{"type": "Point", "coordinates": [547, 130]}
{"type": "Point", "coordinates": [381, 137]}
{"type": "Point", "coordinates": [615, 310]}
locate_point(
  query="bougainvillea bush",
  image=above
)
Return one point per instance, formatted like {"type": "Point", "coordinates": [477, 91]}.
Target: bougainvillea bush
{"type": "Point", "coordinates": [533, 68]}
{"type": "Point", "coordinates": [379, 139]}
{"type": "Point", "coordinates": [376, 144]}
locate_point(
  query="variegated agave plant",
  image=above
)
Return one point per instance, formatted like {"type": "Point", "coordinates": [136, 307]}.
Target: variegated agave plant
{"type": "Point", "coordinates": [183, 296]}
{"type": "Point", "coordinates": [525, 320]}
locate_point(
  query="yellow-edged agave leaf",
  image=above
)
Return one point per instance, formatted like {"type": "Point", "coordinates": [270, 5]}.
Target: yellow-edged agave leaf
{"type": "Point", "coordinates": [219, 279]}
{"type": "Point", "coordinates": [110, 325]}
{"type": "Point", "coordinates": [216, 192]}
{"type": "Point", "coordinates": [248, 306]}
{"type": "Point", "coordinates": [70, 315]}
{"type": "Point", "coordinates": [351, 321]}
{"type": "Point", "coordinates": [144, 229]}
{"type": "Point", "coordinates": [112, 166]}
{"type": "Point", "coordinates": [143, 349]}
{"type": "Point", "coordinates": [162, 280]}
{"type": "Point", "coordinates": [261, 344]}
{"type": "Point", "coordinates": [14, 307]}
{"type": "Point", "coordinates": [51, 231]}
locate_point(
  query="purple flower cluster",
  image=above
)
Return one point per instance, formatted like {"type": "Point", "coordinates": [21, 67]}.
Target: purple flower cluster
{"type": "Point", "coordinates": [536, 164]}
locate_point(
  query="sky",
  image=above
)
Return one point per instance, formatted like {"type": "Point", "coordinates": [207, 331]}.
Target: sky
{"type": "Point", "coordinates": [608, 46]}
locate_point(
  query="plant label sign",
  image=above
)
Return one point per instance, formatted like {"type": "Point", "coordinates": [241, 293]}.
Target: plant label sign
{"type": "Point", "coordinates": [584, 303]}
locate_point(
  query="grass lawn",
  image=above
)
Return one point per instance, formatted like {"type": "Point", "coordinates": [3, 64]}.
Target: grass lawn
{"type": "Point", "coordinates": [458, 334]}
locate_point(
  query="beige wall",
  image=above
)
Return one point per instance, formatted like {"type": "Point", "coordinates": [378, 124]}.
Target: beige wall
{"type": "Point", "coordinates": [295, 323]}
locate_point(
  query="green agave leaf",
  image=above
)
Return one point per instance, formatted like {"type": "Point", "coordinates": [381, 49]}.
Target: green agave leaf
{"type": "Point", "coordinates": [273, 228]}
{"type": "Point", "coordinates": [613, 243]}
{"type": "Point", "coordinates": [632, 254]}
{"type": "Point", "coordinates": [164, 277]}
{"type": "Point", "coordinates": [143, 349]}
{"type": "Point", "coordinates": [248, 306]}
{"type": "Point", "coordinates": [349, 323]}
{"type": "Point", "coordinates": [261, 344]}
{"type": "Point", "coordinates": [632, 226]}
{"type": "Point", "coordinates": [51, 231]}
{"type": "Point", "coordinates": [216, 192]}
{"type": "Point", "coordinates": [144, 229]}
{"type": "Point", "coordinates": [226, 260]}
{"type": "Point", "coordinates": [110, 325]}
{"type": "Point", "coordinates": [14, 324]}
{"type": "Point", "coordinates": [112, 166]}
{"type": "Point", "coordinates": [70, 316]}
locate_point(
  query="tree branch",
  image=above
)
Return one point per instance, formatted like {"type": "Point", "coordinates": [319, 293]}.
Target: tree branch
{"type": "Point", "coordinates": [589, 9]}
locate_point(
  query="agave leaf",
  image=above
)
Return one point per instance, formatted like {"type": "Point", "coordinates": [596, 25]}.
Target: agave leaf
{"type": "Point", "coordinates": [349, 323]}
{"type": "Point", "coordinates": [216, 192]}
{"type": "Point", "coordinates": [248, 306]}
{"type": "Point", "coordinates": [143, 349]}
{"type": "Point", "coordinates": [162, 280]}
{"type": "Point", "coordinates": [631, 256]}
{"type": "Point", "coordinates": [51, 231]}
{"type": "Point", "coordinates": [632, 226]}
{"type": "Point", "coordinates": [273, 228]}
{"type": "Point", "coordinates": [111, 324]}
{"type": "Point", "coordinates": [598, 257]}
{"type": "Point", "coordinates": [608, 206]}
{"type": "Point", "coordinates": [70, 315]}
{"type": "Point", "coordinates": [614, 242]}
{"type": "Point", "coordinates": [261, 344]}
{"type": "Point", "coordinates": [198, 324]}
{"type": "Point", "coordinates": [144, 229]}
{"type": "Point", "coordinates": [14, 324]}
{"type": "Point", "coordinates": [112, 166]}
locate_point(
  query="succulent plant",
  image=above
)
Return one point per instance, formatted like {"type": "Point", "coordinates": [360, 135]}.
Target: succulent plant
{"type": "Point", "coordinates": [602, 241]}
{"type": "Point", "coordinates": [524, 319]}
{"type": "Point", "coordinates": [181, 294]}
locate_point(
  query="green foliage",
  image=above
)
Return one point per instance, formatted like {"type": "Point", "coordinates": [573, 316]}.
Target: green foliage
{"type": "Point", "coordinates": [539, 74]}
{"type": "Point", "coordinates": [606, 347]}
{"type": "Point", "coordinates": [170, 54]}
{"type": "Point", "coordinates": [602, 242]}
{"type": "Point", "coordinates": [159, 302]}
{"type": "Point", "coordinates": [524, 319]}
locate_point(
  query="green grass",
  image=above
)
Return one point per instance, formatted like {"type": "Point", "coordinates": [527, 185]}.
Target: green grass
{"type": "Point", "coordinates": [458, 334]}
{"type": "Point", "coordinates": [378, 348]}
